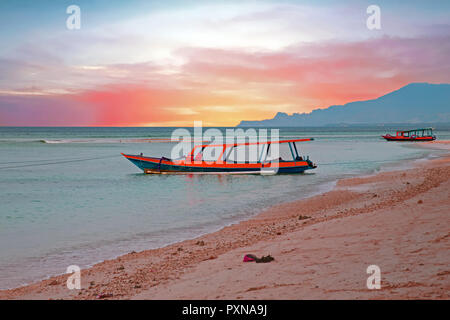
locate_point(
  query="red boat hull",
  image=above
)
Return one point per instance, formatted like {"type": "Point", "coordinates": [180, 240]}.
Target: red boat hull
{"type": "Point", "coordinates": [401, 138]}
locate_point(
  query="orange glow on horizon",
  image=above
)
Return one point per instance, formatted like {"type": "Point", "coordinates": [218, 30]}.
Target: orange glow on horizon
{"type": "Point", "coordinates": [223, 87]}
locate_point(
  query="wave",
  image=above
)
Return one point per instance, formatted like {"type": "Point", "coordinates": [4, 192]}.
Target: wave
{"type": "Point", "coordinates": [90, 140]}
{"type": "Point", "coordinates": [125, 140]}
{"type": "Point", "coordinates": [103, 140]}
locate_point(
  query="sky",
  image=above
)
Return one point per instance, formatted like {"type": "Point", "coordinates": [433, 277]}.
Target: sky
{"type": "Point", "coordinates": [169, 63]}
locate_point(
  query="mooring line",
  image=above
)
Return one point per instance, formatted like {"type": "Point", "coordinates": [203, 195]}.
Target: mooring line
{"type": "Point", "coordinates": [57, 162]}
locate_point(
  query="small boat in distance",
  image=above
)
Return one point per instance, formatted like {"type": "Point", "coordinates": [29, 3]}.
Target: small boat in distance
{"type": "Point", "coordinates": [425, 134]}
{"type": "Point", "coordinates": [195, 162]}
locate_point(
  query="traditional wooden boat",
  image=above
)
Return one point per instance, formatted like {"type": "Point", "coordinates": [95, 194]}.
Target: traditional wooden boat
{"type": "Point", "coordinates": [425, 134]}
{"type": "Point", "coordinates": [194, 162]}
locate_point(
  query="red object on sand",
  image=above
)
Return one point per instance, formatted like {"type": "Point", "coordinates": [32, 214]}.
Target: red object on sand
{"type": "Point", "coordinates": [248, 258]}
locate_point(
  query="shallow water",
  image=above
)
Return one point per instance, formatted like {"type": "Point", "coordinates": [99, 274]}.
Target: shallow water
{"type": "Point", "coordinates": [68, 197]}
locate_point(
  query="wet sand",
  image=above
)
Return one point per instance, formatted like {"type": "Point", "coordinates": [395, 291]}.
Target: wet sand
{"type": "Point", "coordinates": [322, 247]}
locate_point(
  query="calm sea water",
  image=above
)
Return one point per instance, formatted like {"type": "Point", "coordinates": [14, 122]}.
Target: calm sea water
{"type": "Point", "coordinates": [67, 196]}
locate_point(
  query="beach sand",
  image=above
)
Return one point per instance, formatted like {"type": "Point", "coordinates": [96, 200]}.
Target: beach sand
{"type": "Point", "coordinates": [322, 247]}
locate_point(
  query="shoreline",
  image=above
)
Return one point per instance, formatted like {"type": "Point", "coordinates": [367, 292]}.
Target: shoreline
{"type": "Point", "coordinates": [151, 273]}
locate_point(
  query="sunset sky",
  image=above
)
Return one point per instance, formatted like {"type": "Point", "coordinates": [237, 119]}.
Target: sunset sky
{"type": "Point", "coordinates": [168, 63]}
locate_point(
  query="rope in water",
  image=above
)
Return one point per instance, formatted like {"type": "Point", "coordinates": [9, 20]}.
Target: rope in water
{"type": "Point", "coordinates": [41, 160]}
{"type": "Point", "coordinates": [57, 162]}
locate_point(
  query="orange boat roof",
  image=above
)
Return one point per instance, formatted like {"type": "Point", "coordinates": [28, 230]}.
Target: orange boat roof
{"type": "Point", "coordinates": [226, 145]}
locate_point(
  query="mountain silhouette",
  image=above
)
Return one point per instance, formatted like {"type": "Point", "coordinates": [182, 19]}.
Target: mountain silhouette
{"type": "Point", "coordinates": [413, 103]}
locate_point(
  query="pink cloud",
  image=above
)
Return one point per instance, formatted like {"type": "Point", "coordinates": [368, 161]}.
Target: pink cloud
{"type": "Point", "coordinates": [330, 73]}
{"type": "Point", "coordinates": [301, 77]}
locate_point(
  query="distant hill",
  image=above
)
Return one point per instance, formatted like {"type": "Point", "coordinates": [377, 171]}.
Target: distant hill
{"type": "Point", "coordinates": [413, 103]}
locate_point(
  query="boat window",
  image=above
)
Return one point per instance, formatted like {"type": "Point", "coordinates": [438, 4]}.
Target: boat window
{"type": "Point", "coordinates": [212, 153]}
{"type": "Point", "coordinates": [280, 151]}
{"type": "Point", "coordinates": [297, 156]}
{"type": "Point", "coordinates": [196, 152]}
{"type": "Point", "coordinates": [245, 153]}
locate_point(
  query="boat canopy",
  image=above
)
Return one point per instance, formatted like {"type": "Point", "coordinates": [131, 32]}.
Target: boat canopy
{"type": "Point", "coordinates": [227, 145]}
{"type": "Point", "coordinates": [427, 131]}
{"type": "Point", "coordinates": [290, 142]}
{"type": "Point", "coordinates": [424, 129]}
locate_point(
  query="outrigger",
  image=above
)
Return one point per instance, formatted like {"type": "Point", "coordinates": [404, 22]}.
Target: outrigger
{"type": "Point", "coordinates": [195, 163]}
{"type": "Point", "coordinates": [425, 134]}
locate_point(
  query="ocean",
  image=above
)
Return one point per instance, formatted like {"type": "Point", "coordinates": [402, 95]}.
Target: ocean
{"type": "Point", "coordinates": [68, 197]}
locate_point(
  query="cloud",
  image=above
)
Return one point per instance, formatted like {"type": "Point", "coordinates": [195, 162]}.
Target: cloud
{"type": "Point", "coordinates": [223, 86]}
{"type": "Point", "coordinates": [333, 72]}
{"type": "Point", "coordinates": [217, 62]}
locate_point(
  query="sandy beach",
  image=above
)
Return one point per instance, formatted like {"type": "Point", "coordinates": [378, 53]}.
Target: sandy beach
{"type": "Point", "coordinates": [397, 220]}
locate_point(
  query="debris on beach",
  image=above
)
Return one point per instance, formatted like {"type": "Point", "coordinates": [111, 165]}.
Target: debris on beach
{"type": "Point", "coordinates": [263, 259]}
